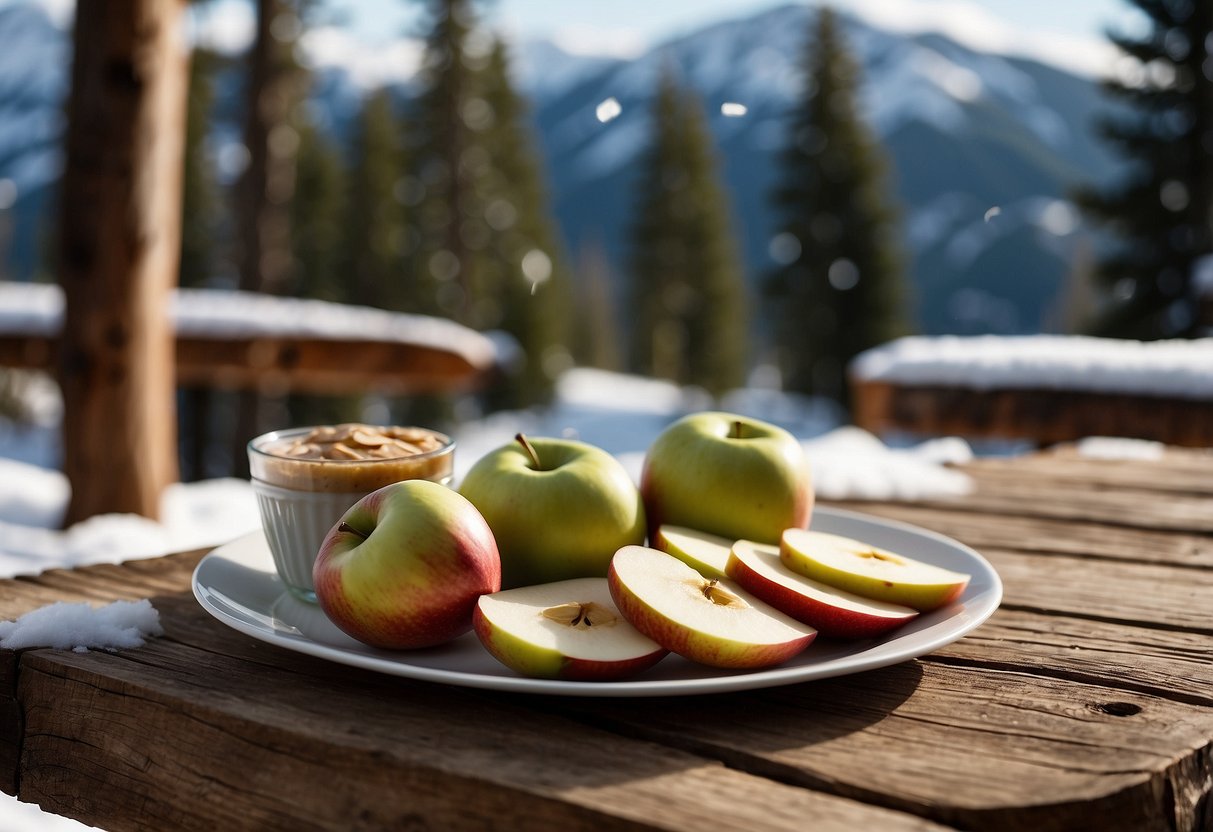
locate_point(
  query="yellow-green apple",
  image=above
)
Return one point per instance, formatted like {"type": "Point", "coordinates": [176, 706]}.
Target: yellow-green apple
{"type": "Point", "coordinates": [567, 630]}
{"type": "Point", "coordinates": [707, 554]}
{"type": "Point", "coordinates": [833, 612]}
{"type": "Point", "coordinates": [727, 475]}
{"type": "Point", "coordinates": [558, 508]}
{"type": "Point", "coordinates": [405, 565]}
{"type": "Point", "coordinates": [870, 571]}
{"type": "Point", "coordinates": [713, 622]}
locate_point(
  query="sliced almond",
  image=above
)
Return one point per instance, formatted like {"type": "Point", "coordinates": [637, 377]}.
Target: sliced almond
{"type": "Point", "coordinates": [340, 450]}
{"type": "Point", "coordinates": [370, 439]}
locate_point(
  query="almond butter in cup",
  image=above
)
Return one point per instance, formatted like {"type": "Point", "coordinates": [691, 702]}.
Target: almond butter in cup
{"type": "Point", "coordinates": [306, 478]}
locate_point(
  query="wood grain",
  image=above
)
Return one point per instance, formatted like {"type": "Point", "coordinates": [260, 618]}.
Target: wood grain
{"type": "Point", "coordinates": [119, 239]}
{"type": "Point", "coordinates": [1159, 662]}
{"type": "Point", "coordinates": [1047, 535]}
{"type": "Point", "coordinates": [1084, 703]}
{"type": "Point", "coordinates": [980, 749]}
{"type": "Point", "coordinates": [174, 737]}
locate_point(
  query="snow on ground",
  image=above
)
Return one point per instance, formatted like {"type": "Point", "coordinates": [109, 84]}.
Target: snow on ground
{"type": "Point", "coordinates": [1180, 368]}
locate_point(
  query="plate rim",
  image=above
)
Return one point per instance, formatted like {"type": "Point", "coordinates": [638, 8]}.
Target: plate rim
{"type": "Point", "coordinates": [727, 681]}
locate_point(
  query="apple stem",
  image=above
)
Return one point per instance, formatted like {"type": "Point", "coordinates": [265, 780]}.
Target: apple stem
{"type": "Point", "coordinates": [735, 429]}
{"type": "Point", "coordinates": [530, 450]}
{"type": "Point", "coordinates": [346, 527]}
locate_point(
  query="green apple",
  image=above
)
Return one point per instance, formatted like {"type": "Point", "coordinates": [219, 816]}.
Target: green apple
{"type": "Point", "coordinates": [567, 630]}
{"type": "Point", "coordinates": [731, 476]}
{"type": "Point", "coordinates": [833, 612]}
{"type": "Point", "coordinates": [405, 565]}
{"type": "Point", "coordinates": [558, 508]}
{"type": "Point", "coordinates": [712, 622]}
{"type": "Point", "coordinates": [706, 553]}
{"type": "Point", "coordinates": [870, 571]}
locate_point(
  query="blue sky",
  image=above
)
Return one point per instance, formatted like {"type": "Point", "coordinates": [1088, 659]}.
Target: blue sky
{"type": "Point", "coordinates": [643, 22]}
{"type": "Point", "coordinates": [1068, 33]}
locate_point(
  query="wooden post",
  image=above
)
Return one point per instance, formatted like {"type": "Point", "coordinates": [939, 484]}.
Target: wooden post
{"type": "Point", "coordinates": [120, 228]}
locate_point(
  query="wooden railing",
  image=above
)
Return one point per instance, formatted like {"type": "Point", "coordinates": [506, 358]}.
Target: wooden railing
{"type": "Point", "coordinates": [907, 387]}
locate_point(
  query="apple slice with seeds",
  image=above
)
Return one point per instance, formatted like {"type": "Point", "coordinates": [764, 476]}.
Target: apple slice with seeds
{"type": "Point", "coordinates": [707, 554]}
{"type": "Point", "coordinates": [713, 622]}
{"type": "Point", "coordinates": [834, 612]}
{"type": "Point", "coordinates": [567, 630]}
{"type": "Point", "coordinates": [870, 571]}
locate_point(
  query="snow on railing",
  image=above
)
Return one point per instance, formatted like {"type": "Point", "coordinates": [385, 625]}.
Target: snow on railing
{"type": "Point", "coordinates": [1173, 368]}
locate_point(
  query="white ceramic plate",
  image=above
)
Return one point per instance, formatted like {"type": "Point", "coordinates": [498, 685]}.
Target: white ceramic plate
{"type": "Point", "coordinates": [237, 584]}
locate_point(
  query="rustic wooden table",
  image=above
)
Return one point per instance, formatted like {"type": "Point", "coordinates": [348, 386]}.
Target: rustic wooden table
{"type": "Point", "coordinates": [1086, 702]}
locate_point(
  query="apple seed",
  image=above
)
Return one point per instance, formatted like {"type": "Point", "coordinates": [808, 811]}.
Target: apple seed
{"type": "Point", "coordinates": [581, 616]}
{"type": "Point", "coordinates": [720, 596]}
{"type": "Point", "coordinates": [884, 556]}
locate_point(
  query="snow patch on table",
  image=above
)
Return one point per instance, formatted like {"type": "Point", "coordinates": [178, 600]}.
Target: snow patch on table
{"type": "Point", "coordinates": [81, 627]}
{"type": "Point", "coordinates": [1115, 447]}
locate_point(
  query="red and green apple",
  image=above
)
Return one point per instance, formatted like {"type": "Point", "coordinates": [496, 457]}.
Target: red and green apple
{"type": "Point", "coordinates": [869, 570]}
{"type": "Point", "coordinates": [569, 630]}
{"type": "Point", "coordinates": [713, 622]}
{"type": "Point", "coordinates": [832, 611]}
{"type": "Point", "coordinates": [405, 565]}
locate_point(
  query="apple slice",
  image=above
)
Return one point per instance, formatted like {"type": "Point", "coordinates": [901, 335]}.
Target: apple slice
{"type": "Point", "coordinates": [868, 571]}
{"type": "Point", "coordinates": [706, 553]}
{"type": "Point", "coordinates": [567, 630]}
{"type": "Point", "coordinates": [834, 612]}
{"type": "Point", "coordinates": [713, 622]}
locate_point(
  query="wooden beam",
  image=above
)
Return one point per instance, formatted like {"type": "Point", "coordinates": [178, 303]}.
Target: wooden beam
{"type": "Point", "coordinates": [119, 228]}
{"type": "Point", "coordinates": [291, 363]}
{"type": "Point", "coordinates": [1040, 415]}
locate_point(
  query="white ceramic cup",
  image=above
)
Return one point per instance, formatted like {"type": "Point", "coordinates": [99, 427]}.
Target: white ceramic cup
{"type": "Point", "coordinates": [301, 500]}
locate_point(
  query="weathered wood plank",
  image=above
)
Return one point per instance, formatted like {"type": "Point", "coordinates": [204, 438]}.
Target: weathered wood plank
{"type": "Point", "coordinates": [1178, 471]}
{"type": "Point", "coordinates": [11, 723]}
{"type": "Point", "coordinates": [1134, 593]}
{"type": "Point", "coordinates": [1165, 663]}
{"type": "Point", "coordinates": [172, 737]}
{"type": "Point", "coordinates": [1049, 535]}
{"type": "Point", "coordinates": [980, 749]}
{"type": "Point", "coordinates": [1042, 498]}
{"type": "Point", "coordinates": [128, 581]}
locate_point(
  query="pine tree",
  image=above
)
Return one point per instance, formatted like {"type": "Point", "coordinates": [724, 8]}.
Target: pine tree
{"type": "Point", "coordinates": [534, 292]}
{"type": "Point", "coordinates": [374, 260]}
{"type": "Point", "coordinates": [317, 216]}
{"type": "Point", "coordinates": [1161, 215]}
{"type": "Point", "coordinates": [687, 287]}
{"type": "Point", "coordinates": [597, 340]}
{"type": "Point", "coordinates": [200, 191]}
{"type": "Point", "coordinates": [199, 229]}
{"type": "Point", "coordinates": [447, 157]}
{"type": "Point", "coordinates": [839, 288]}
{"type": "Point", "coordinates": [485, 254]}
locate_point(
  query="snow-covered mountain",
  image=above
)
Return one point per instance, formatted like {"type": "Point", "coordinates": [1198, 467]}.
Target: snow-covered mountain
{"type": "Point", "coordinates": [984, 147]}
{"type": "Point", "coordinates": [966, 131]}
